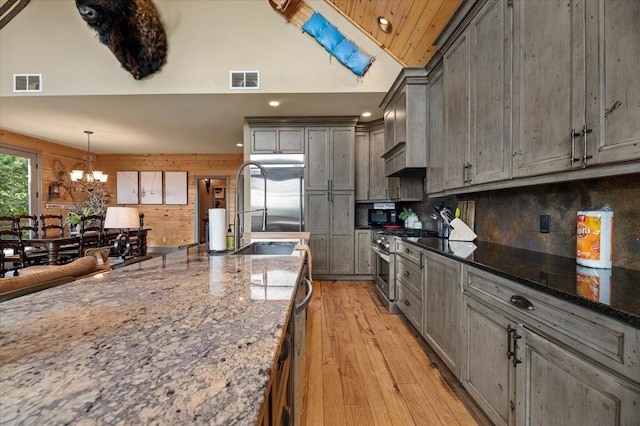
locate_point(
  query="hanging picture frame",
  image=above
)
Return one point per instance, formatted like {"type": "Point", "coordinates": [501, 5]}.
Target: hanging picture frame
{"type": "Point", "coordinates": [150, 187]}
{"type": "Point", "coordinates": [127, 187]}
{"type": "Point", "coordinates": [175, 187]}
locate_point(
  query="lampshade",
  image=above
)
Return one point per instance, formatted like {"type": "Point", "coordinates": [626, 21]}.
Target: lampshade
{"type": "Point", "coordinates": [122, 217]}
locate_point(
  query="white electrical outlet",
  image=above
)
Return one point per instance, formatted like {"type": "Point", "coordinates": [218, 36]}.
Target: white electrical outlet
{"type": "Point", "coordinates": [164, 239]}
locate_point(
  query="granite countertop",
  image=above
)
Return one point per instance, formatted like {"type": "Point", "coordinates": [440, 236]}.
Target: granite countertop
{"type": "Point", "coordinates": [555, 275]}
{"type": "Point", "coordinates": [185, 338]}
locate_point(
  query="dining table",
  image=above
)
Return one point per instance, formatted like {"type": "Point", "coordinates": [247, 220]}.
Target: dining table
{"type": "Point", "coordinates": [52, 245]}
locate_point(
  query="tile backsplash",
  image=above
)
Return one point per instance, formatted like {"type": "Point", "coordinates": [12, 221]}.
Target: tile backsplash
{"type": "Point", "coordinates": [511, 217]}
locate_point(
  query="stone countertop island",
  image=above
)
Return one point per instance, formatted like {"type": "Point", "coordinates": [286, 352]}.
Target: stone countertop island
{"type": "Point", "coordinates": [186, 338]}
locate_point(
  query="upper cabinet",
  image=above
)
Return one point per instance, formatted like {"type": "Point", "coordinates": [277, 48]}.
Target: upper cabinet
{"type": "Point", "coordinates": [277, 140]}
{"type": "Point", "coordinates": [576, 85]}
{"type": "Point", "coordinates": [405, 124]}
{"type": "Point", "coordinates": [435, 135]}
{"type": "Point", "coordinates": [535, 92]}
{"type": "Point", "coordinates": [476, 78]}
{"type": "Point", "coordinates": [370, 182]}
{"type": "Point", "coordinates": [330, 158]}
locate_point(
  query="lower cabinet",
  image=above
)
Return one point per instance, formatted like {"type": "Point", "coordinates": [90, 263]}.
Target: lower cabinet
{"type": "Point", "coordinates": [276, 409]}
{"type": "Point", "coordinates": [520, 373]}
{"type": "Point", "coordinates": [409, 280]}
{"type": "Point", "coordinates": [363, 258]}
{"type": "Point", "coordinates": [442, 308]}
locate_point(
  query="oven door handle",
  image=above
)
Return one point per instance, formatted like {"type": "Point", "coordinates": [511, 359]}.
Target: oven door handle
{"type": "Point", "coordinates": [383, 256]}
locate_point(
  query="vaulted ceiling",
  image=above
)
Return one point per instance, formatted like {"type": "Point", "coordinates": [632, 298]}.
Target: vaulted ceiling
{"type": "Point", "coordinates": [147, 123]}
{"type": "Point", "coordinates": [415, 24]}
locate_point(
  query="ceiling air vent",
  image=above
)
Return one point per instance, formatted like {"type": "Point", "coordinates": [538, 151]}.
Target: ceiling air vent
{"type": "Point", "coordinates": [244, 79]}
{"type": "Point", "coordinates": [25, 83]}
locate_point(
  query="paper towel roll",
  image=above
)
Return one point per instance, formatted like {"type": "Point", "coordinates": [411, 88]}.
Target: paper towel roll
{"type": "Point", "coordinates": [217, 229]}
{"type": "Point", "coordinates": [594, 238]}
{"type": "Point", "coordinates": [594, 284]}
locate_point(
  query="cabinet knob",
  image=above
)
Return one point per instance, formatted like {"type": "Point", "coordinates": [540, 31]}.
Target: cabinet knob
{"type": "Point", "coordinates": [521, 302]}
{"type": "Point", "coordinates": [406, 273]}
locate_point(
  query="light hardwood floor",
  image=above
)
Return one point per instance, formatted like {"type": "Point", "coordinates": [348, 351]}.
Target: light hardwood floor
{"type": "Point", "coordinates": [365, 367]}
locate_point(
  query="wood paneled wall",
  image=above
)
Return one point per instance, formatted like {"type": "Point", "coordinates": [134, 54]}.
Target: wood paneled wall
{"type": "Point", "coordinates": [173, 223]}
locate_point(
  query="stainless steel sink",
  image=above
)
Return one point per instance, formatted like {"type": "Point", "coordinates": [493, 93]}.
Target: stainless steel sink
{"type": "Point", "coordinates": [278, 248]}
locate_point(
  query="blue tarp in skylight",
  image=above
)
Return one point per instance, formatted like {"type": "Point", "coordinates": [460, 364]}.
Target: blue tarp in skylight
{"type": "Point", "coordinates": [338, 45]}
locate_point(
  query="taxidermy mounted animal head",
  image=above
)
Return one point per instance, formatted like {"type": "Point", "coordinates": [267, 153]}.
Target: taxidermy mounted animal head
{"type": "Point", "coordinates": [131, 29]}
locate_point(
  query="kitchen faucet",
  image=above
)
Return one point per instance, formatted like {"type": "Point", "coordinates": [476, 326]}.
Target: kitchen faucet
{"type": "Point", "coordinates": [240, 191]}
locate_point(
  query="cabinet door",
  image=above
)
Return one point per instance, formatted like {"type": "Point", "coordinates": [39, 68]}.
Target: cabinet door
{"type": "Point", "coordinates": [490, 144]}
{"type": "Point", "coordinates": [377, 180]}
{"type": "Point", "coordinates": [554, 386]}
{"type": "Point", "coordinates": [342, 159]}
{"type": "Point", "coordinates": [401, 119]}
{"type": "Point", "coordinates": [363, 260]}
{"type": "Point", "coordinates": [317, 223]}
{"type": "Point", "coordinates": [362, 155]}
{"type": "Point", "coordinates": [456, 112]}
{"type": "Point", "coordinates": [341, 248]}
{"type": "Point", "coordinates": [485, 372]}
{"type": "Point", "coordinates": [613, 81]}
{"type": "Point", "coordinates": [548, 85]}
{"type": "Point", "coordinates": [341, 243]}
{"type": "Point", "coordinates": [291, 141]}
{"type": "Point", "coordinates": [389, 128]}
{"type": "Point", "coordinates": [264, 140]}
{"type": "Point", "coordinates": [435, 182]}
{"type": "Point", "coordinates": [342, 212]}
{"type": "Point", "coordinates": [442, 302]}
{"type": "Point", "coordinates": [318, 150]}
{"type": "Point", "coordinates": [411, 188]}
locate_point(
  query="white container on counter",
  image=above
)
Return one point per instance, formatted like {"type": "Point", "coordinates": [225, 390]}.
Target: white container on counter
{"type": "Point", "coordinates": [594, 238]}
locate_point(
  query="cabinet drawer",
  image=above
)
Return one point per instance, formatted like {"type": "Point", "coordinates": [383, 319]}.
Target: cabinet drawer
{"type": "Point", "coordinates": [410, 275]}
{"type": "Point", "coordinates": [409, 251]}
{"type": "Point", "coordinates": [410, 306]}
{"type": "Point", "coordinates": [601, 338]}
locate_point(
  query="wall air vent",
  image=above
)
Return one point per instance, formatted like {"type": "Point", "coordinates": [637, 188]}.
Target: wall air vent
{"type": "Point", "coordinates": [244, 79]}
{"type": "Point", "coordinates": [27, 83]}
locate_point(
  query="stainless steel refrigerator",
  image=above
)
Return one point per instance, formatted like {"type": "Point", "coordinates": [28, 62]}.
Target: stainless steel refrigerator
{"type": "Point", "coordinates": [285, 192]}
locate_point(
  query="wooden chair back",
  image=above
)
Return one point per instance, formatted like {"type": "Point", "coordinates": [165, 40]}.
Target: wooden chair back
{"type": "Point", "coordinates": [11, 239]}
{"type": "Point", "coordinates": [52, 225]}
{"type": "Point", "coordinates": [28, 225]}
{"type": "Point", "coordinates": [91, 232]}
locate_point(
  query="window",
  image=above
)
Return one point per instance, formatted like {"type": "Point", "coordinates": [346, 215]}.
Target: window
{"type": "Point", "coordinates": [20, 181]}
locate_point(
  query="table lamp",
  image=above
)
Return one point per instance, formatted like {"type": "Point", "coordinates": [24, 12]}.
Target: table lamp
{"type": "Point", "coordinates": [125, 219]}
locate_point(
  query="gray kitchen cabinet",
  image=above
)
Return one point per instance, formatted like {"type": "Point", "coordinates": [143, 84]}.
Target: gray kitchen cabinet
{"type": "Point", "coordinates": [330, 158]}
{"type": "Point", "coordinates": [613, 98]}
{"type": "Point", "coordinates": [442, 308]}
{"type": "Point", "coordinates": [586, 109]}
{"type": "Point", "coordinates": [405, 188]}
{"type": "Point", "coordinates": [555, 386]}
{"type": "Point", "coordinates": [409, 282]}
{"type": "Point", "coordinates": [485, 371]}
{"type": "Point", "coordinates": [329, 198]}
{"type": "Point", "coordinates": [529, 358]}
{"type": "Point", "coordinates": [330, 219]}
{"type": "Point", "coordinates": [364, 259]}
{"type": "Point", "coordinates": [435, 136]}
{"type": "Point", "coordinates": [277, 140]}
{"type": "Point", "coordinates": [370, 182]}
{"type": "Point", "coordinates": [490, 102]}
{"type": "Point", "coordinates": [456, 78]}
{"type": "Point", "coordinates": [477, 78]}
{"type": "Point", "coordinates": [405, 124]}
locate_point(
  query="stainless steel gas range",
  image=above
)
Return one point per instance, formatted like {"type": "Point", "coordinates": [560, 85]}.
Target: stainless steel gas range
{"type": "Point", "coordinates": [383, 246]}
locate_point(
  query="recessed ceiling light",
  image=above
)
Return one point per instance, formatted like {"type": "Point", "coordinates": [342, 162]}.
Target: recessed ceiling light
{"type": "Point", "coordinates": [239, 144]}
{"type": "Point", "coordinates": [384, 24]}
{"type": "Point", "coordinates": [274, 103]}
{"type": "Point", "coordinates": [366, 114]}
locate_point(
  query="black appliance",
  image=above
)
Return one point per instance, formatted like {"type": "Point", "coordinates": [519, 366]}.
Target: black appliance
{"type": "Point", "coordinates": [378, 218]}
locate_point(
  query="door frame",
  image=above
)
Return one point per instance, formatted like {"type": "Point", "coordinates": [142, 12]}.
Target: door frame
{"type": "Point", "coordinates": [197, 220]}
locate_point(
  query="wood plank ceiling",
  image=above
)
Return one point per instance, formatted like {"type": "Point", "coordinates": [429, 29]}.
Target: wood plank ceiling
{"type": "Point", "coordinates": [415, 25]}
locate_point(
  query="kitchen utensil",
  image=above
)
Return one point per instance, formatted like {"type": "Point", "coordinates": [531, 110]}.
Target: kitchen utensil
{"type": "Point", "coordinates": [461, 232]}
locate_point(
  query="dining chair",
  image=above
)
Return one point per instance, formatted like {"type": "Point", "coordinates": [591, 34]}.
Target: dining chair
{"type": "Point", "coordinates": [11, 251]}
{"type": "Point", "coordinates": [52, 226]}
{"type": "Point", "coordinates": [28, 227]}
{"type": "Point", "coordinates": [91, 232]}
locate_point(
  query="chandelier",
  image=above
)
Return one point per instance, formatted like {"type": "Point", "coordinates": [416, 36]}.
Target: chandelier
{"type": "Point", "coordinates": [88, 178]}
